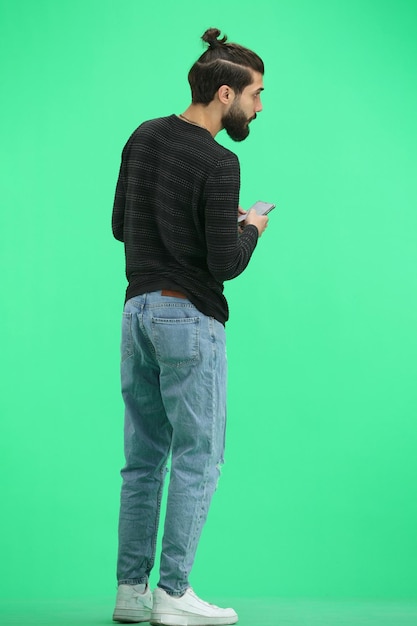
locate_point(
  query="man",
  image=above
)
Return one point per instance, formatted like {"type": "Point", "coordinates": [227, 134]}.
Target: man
{"type": "Point", "coordinates": [176, 208]}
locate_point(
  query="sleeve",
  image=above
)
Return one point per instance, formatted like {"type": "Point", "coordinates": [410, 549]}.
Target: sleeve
{"type": "Point", "coordinates": [119, 204]}
{"type": "Point", "coordinates": [228, 252]}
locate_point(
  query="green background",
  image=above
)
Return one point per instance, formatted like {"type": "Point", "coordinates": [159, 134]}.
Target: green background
{"type": "Point", "coordinates": [318, 494]}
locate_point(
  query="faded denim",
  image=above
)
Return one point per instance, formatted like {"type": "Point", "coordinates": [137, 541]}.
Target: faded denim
{"type": "Point", "coordinates": [173, 375]}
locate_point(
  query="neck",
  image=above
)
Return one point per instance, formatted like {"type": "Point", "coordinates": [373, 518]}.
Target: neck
{"type": "Point", "coordinates": [203, 116]}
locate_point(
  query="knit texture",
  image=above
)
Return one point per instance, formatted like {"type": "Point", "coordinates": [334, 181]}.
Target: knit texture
{"type": "Point", "coordinates": [176, 209]}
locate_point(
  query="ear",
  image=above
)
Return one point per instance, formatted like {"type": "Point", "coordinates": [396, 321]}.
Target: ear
{"type": "Point", "coordinates": [225, 94]}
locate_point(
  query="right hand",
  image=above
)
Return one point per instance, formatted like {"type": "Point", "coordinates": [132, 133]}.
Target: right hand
{"type": "Point", "coordinates": [260, 221]}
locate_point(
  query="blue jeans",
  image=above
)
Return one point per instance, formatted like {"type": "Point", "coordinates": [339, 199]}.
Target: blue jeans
{"type": "Point", "coordinates": [173, 375]}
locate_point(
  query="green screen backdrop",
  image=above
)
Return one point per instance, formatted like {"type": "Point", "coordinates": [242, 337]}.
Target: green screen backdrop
{"type": "Point", "coordinates": [318, 493]}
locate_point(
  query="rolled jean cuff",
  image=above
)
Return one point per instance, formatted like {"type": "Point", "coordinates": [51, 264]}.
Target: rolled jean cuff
{"type": "Point", "coordinates": [174, 594]}
{"type": "Point", "coordinates": [134, 581]}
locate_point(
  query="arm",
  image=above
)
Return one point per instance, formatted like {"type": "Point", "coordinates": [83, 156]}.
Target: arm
{"type": "Point", "coordinates": [119, 206]}
{"type": "Point", "coordinates": [228, 252]}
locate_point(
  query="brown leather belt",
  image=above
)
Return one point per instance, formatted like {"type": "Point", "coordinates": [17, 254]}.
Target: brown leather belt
{"type": "Point", "coordinates": [173, 294]}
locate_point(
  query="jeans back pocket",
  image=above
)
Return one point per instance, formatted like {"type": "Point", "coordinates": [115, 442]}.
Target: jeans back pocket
{"type": "Point", "coordinates": [176, 341]}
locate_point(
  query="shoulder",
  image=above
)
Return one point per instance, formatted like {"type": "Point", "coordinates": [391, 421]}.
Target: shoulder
{"type": "Point", "coordinates": [145, 133]}
{"type": "Point", "coordinates": [156, 125]}
{"type": "Point", "coordinates": [176, 137]}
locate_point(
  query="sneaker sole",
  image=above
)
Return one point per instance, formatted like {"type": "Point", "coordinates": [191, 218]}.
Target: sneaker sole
{"type": "Point", "coordinates": [168, 619]}
{"type": "Point", "coordinates": [128, 616]}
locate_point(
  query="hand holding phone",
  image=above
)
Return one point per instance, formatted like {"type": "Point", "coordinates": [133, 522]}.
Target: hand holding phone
{"type": "Point", "coordinates": [262, 208]}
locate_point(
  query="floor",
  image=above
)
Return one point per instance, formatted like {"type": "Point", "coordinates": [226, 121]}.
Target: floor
{"type": "Point", "coordinates": [252, 612]}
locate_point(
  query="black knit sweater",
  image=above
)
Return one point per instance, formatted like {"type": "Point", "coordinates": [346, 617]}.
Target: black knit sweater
{"type": "Point", "coordinates": [175, 209]}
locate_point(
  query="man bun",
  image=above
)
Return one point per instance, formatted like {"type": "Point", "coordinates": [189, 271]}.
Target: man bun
{"type": "Point", "coordinates": [222, 63]}
{"type": "Point", "coordinates": [211, 37]}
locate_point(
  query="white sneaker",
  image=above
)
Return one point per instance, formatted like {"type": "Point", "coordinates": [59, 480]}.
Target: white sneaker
{"type": "Point", "coordinates": [187, 610]}
{"type": "Point", "coordinates": [133, 604]}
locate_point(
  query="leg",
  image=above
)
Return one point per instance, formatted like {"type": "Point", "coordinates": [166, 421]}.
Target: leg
{"type": "Point", "coordinates": [190, 348]}
{"type": "Point", "coordinates": [147, 443]}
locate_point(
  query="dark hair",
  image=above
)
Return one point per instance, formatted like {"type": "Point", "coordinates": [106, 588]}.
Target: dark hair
{"type": "Point", "coordinates": [221, 64]}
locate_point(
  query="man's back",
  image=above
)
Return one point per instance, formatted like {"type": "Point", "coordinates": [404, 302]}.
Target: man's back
{"type": "Point", "coordinates": [176, 210]}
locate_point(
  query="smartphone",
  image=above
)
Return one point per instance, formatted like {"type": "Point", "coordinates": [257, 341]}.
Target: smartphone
{"type": "Point", "coordinates": [262, 208]}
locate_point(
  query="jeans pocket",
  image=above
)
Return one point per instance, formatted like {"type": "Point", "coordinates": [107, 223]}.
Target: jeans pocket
{"type": "Point", "coordinates": [126, 349]}
{"type": "Point", "coordinates": [176, 341]}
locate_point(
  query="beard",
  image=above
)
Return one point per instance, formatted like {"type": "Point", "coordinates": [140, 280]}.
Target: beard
{"type": "Point", "coordinates": [235, 123]}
